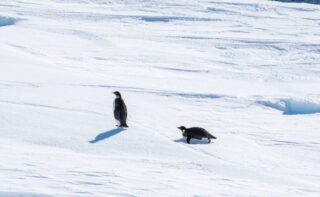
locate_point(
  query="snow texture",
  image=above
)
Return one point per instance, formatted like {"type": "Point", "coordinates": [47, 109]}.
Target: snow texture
{"type": "Point", "coordinates": [15, 194]}
{"type": "Point", "coordinates": [248, 71]}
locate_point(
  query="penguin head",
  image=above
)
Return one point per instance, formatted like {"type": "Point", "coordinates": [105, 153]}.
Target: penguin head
{"type": "Point", "coordinates": [117, 94]}
{"type": "Point", "coordinates": [182, 128]}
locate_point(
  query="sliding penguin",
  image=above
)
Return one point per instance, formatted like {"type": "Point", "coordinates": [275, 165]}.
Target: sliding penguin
{"type": "Point", "coordinates": [196, 132]}
{"type": "Point", "coordinates": [120, 110]}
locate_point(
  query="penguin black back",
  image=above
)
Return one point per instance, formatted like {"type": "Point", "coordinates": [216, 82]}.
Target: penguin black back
{"type": "Point", "coordinates": [120, 110]}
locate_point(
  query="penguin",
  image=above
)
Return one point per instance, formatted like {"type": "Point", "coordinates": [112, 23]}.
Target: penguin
{"type": "Point", "coordinates": [196, 132]}
{"type": "Point", "coordinates": [120, 110]}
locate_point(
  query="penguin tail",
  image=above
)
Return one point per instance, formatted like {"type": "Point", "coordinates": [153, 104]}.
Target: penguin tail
{"type": "Point", "coordinates": [213, 137]}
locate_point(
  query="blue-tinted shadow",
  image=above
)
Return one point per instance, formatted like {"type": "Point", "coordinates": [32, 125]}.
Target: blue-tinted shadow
{"type": "Point", "coordinates": [107, 134]}
{"type": "Point", "coordinates": [301, 1]}
{"type": "Point", "coordinates": [193, 141]}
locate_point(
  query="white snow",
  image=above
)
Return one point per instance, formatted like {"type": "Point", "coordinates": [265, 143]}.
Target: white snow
{"type": "Point", "coordinates": [246, 70]}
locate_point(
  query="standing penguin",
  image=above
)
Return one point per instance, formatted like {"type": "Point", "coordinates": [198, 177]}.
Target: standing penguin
{"type": "Point", "coordinates": [120, 110]}
{"type": "Point", "coordinates": [196, 132]}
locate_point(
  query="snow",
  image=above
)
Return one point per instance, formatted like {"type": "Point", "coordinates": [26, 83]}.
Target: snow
{"type": "Point", "coordinates": [15, 194]}
{"type": "Point", "coordinates": [293, 107]}
{"type": "Point", "coordinates": [301, 1]}
{"type": "Point", "coordinates": [246, 70]}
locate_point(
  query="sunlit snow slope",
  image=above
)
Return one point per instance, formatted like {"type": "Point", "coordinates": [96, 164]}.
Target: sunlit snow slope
{"type": "Point", "coordinates": [246, 70]}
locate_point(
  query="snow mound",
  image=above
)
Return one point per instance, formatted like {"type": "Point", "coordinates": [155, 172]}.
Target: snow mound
{"type": "Point", "coordinates": [292, 107]}
{"type": "Point", "coordinates": [5, 21]}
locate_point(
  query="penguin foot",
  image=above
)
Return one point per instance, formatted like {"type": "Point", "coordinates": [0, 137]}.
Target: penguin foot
{"type": "Point", "coordinates": [188, 139]}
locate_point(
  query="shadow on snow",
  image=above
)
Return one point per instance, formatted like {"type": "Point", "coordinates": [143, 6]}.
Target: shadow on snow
{"type": "Point", "coordinates": [193, 141]}
{"type": "Point", "coordinates": [106, 134]}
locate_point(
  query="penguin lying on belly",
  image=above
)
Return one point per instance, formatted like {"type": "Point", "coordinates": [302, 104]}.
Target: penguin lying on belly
{"type": "Point", "coordinates": [196, 133]}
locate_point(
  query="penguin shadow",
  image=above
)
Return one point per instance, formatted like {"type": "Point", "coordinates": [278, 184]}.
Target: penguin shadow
{"type": "Point", "coordinates": [192, 141]}
{"type": "Point", "coordinates": [106, 135]}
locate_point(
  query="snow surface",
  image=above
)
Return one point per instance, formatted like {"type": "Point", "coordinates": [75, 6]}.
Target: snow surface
{"type": "Point", "coordinates": [293, 107]}
{"type": "Point", "coordinates": [248, 71]}
{"type": "Point", "coordinates": [17, 194]}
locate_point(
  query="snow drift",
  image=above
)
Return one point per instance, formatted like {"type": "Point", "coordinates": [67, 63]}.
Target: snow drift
{"type": "Point", "coordinates": [293, 106]}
